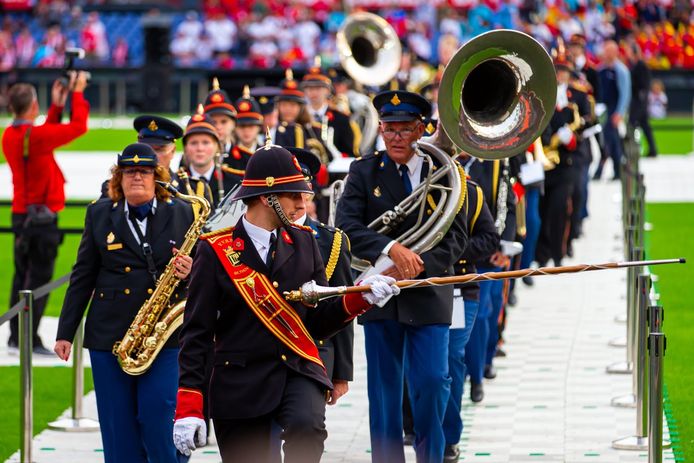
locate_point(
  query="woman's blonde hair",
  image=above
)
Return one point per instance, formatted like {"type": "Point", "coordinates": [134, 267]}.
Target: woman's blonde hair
{"type": "Point", "coordinates": [115, 189]}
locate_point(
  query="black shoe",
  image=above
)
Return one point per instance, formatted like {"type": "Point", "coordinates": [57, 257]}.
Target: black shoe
{"type": "Point", "coordinates": [451, 454]}
{"type": "Point", "coordinates": [408, 439]}
{"type": "Point", "coordinates": [597, 175]}
{"type": "Point", "coordinates": [40, 350]}
{"type": "Point", "coordinates": [476, 392]}
{"type": "Point", "coordinates": [500, 352]}
{"type": "Point", "coordinates": [12, 347]}
{"type": "Point", "coordinates": [528, 281]}
{"type": "Point", "coordinates": [512, 299]}
{"type": "Point", "coordinates": [489, 372]}
{"type": "Point", "coordinates": [569, 250]}
{"type": "Point", "coordinates": [652, 155]}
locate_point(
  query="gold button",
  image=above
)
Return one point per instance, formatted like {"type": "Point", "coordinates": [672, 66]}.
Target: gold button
{"type": "Point", "coordinates": [226, 363]}
{"type": "Point", "coordinates": [461, 261]}
{"type": "Point", "coordinates": [126, 291]}
{"type": "Point", "coordinates": [101, 295]}
{"type": "Point", "coordinates": [127, 269]}
{"type": "Point", "coordinates": [429, 211]}
{"type": "Point", "coordinates": [150, 290]}
{"type": "Point", "coordinates": [284, 358]}
{"type": "Point", "coordinates": [275, 284]}
{"type": "Point", "coordinates": [320, 342]}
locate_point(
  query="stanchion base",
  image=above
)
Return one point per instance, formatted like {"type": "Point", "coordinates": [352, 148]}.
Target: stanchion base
{"type": "Point", "coordinates": [631, 443]}
{"type": "Point", "coordinates": [621, 318]}
{"type": "Point", "coordinates": [618, 342]}
{"type": "Point", "coordinates": [620, 368]}
{"type": "Point", "coordinates": [74, 425]}
{"type": "Point", "coordinates": [626, 401]}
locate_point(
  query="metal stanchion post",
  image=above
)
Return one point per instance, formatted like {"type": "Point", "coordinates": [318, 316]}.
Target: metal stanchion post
{"type": "Point", "coordinates": [26, 346]}
{"type": "Point", "coordinates": [656, 315]}
{"type": "Point", "coordinates": [76, 422]}
{"type": "Point", "coordinates": [656, 347]}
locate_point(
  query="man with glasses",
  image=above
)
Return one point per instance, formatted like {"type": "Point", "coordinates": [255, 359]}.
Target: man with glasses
{"type": "Point", "coordinates": [409, 336]}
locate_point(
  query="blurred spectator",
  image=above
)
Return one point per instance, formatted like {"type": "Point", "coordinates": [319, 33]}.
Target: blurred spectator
{"type": "Point", "coordinates": [448, 45]}
{"type": "Point", "coordinates": [8, 59]}
{"type": "Point", "coordinates": [307, 32]}
{"type": "Point", "coordinates": [640, 88]}
{"type": "Point", "coordinates": [120, 53]}
{"type": "Point", "coordinates": [94, 40]}
{"type": "Point", "coordinates": [657, 100]}
{"type": "Point", "coordinates": [222, 31]}
{"type": "Point", "coordinates": [203, 52]}
{"type": "Point", "coordinates": [25, 46]}
{"type": "Point", "coordinates": [183, 48]}
{"type": "Point", "coordinates": [191, 26]}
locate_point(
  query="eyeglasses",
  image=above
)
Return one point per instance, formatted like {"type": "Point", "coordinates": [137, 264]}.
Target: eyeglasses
{"type": "Point", "coordinates": [390, 134]}
{"type": "Point", "coordinates": [135, 171]}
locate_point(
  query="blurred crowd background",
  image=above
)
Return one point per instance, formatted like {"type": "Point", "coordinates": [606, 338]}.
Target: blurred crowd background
{"type": "Point", "coordinates": [266, 34]}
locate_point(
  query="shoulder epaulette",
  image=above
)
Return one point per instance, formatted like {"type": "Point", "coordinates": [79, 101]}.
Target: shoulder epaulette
{"type": "Point", "coordinates": [231, 170]}
{"type": "Point", "coordinates": [374, 155]}
{"type": "Point", "coordinates": [221, 231]}
{"type": "Point", "coordinates": [579, 87]}
{"type": "Point", "coordinates": [327, 227]}
{"type": "Point", "coordinates": [302, 227]}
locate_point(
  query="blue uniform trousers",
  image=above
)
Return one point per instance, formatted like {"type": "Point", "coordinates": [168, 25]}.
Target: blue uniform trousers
{"type": "Point", "coordinates": [136, 412]}
{"type": "Point", "coordinates": [532, 225]}
{"type": "Point", "coordinates": [485, 326]}
{"type": "Point", "coordinates": [388, 343]}
{"type": "Point", "coordinates": [458, 338]}
{"type": "Point", "coordinates": [497, 301]}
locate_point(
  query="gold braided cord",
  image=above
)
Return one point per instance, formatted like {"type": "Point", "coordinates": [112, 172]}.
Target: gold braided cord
{"type": "Point", "coordinates": [334, 254]}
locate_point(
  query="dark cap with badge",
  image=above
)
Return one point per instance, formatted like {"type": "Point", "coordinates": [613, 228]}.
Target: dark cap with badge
{"type": "Point", "coordinates": [401, 106]}
{"type": "Point", "coordinates": [315, 77]}
{"type": "Point", "coordinates": [200, 123]}
{"type": "Point", "coordinates": [272, 169]}
{"type": "Point", "coordinates": [265, 97]}
{"type": "Point", "coordinates": [137, 154]}
{"type": "Point", "coordinates": [248, 109]}
{"type": "Point", "coordinates": [156, 130]}
{"type": "Point", "coordinates": [218, 102]}
{"type": "Point", "coordinates": [289, 89]}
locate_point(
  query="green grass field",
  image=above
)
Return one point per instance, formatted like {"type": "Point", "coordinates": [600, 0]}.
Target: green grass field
{"type": "Point", "coordinates": [669, 138]}
{"type": "Point", "coordinates": [672, 237]}
{"type": "Point", "coordinates": [69, 217]}
{"type": "Point", "coordinates": [52, 395]}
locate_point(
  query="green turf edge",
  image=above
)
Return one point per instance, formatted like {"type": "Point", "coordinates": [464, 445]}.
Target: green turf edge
{"type": "Point", "coordinates": [671, 237]}
{"type": "Point", "coordinates": [52, 396]}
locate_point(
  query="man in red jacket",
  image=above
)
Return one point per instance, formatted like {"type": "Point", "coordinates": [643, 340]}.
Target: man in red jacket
{"type": "Point", "coordinates": [38, 185]}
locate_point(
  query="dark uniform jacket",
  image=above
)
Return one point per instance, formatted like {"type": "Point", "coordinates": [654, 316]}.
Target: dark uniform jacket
{"type": "Point", "coordinates": [483, 239]}
{"type": "Point", "coordinates": [235, 163]}
{"type": "Point", "coordinates": [344, 137]}
{"type": "Point", "coordinates": [336, 352]}
{"type": "Point", "coordinates": [110, 263]}
{"type": "Point", "coordinates": [292, 134]}
{"type": "Point", "coordinates": [250, 364]}
{"type": "Point", "coordinates": [373, 187]}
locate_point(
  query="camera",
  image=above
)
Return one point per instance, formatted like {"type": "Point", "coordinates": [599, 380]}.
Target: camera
{"type": "Point", "coordinates": [71, 54]}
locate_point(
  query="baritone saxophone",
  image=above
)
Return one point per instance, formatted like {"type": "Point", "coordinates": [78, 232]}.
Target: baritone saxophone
{"type": "Point", "coordinates": [156, 320]}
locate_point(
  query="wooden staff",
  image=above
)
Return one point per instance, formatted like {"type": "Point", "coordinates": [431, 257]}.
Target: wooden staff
{"type": "Point", "coordinates": [311, 293]}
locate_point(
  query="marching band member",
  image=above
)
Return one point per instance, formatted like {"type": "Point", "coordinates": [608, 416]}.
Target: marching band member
{"type": "Point", "coordinates": [334, 127]}
{"type": "Point", "coordinates": [223, 114]}
{"type": "Point", "coordinates": [291, 113]}
{"type": "Point", "coordinates": [559, 181]}
{"type": "Point", "coordinates": [494, 179]}
{"type": "Point", "coordinates": [483, 242]}
{"type": "Point", "coordinates": [376, 183]}
{"type": "Point", "coordinates": [200, 147]}
{"type": "Point", "coordinates": [115, 270]}
{"type": "Point", "coordinates": [249, 122]}
{"type": "Point", "coordinates": [266, 367]}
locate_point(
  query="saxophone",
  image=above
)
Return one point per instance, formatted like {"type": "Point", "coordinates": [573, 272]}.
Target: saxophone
{"type": "Point", "coordinates": [156, 320]}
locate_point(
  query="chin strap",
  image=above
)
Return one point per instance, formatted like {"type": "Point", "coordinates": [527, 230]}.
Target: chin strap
{"type": "Point", "coordinates": [274, 202]}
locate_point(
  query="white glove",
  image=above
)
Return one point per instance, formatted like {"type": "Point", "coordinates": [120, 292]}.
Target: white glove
{"type": "Point", "coordinates": [189, 433]}
{"type": "Point", "coordinates": [382, 289]}
{"type": "Point", "coordinates": [565, 135]}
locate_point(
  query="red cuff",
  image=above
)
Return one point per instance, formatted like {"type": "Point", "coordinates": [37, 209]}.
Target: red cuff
{"type": "Point", "coordinates": [322, 177]}
{"type": "Point", "coordinates": [572, 144]}
{"type": "Point", "coordinates": [188, 403]}
{"type": "Point", "coordinates": [355, 305]}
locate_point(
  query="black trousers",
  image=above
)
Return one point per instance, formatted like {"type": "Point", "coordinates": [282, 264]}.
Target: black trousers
{"type": "Point", "coordinates": [301, 415]}
{"type": "Point", "coordinates": [554, 214]}
{"type": "Point", "coordinates": [35, 251]}
{"type": "Point", "coordinates": [638, 117]}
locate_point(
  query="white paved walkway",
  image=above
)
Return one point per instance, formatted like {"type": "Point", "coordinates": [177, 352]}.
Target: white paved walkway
{"type": "Point", "coordinates": [551, 399]}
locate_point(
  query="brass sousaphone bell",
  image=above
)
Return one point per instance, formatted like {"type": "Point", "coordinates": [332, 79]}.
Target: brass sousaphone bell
{"type": "Point", "coordinates": [497, 94]}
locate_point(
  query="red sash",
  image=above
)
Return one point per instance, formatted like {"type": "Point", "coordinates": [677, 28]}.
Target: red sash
{"type": "Point", "coordinates": [265, 302]}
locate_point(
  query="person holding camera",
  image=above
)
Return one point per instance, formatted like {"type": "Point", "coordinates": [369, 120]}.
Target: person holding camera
{"type": "Point", "coordinates": [38, 183]}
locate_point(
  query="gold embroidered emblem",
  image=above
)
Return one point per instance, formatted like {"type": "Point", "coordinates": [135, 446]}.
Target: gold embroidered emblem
{"type": "Point", "coordinates": [281, 129]}
{"type": "Point", "coordinates": [263, 100]}
{"type": "Point", "coordinates": [136, 159]}
{"type": "Point", "coordinates": [110, 238]}
{"type": "Point", "coordinates": [395, 100]}
{"type": "Point", "coordinates": [430, 127]}
{"type": "Point", "coordinates": [250, 282]}
{"type": "Point", "coordinates": [377, 192]}
{"type": "Point", "coordinates": [269, 181]}
{"type": "Point", "coordinates": [153, 126]}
